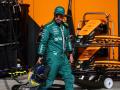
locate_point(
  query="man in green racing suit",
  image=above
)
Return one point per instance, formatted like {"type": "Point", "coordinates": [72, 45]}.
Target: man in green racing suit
{"type": "Point", "coordinates": [56, 42]}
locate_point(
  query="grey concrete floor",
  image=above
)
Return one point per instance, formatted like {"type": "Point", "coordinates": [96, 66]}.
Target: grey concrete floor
{"type": "Point", "coordinates": [6, 84]}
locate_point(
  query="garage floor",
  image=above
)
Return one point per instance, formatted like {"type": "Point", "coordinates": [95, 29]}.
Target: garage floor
{"type": "Point", "coordinates": [6, 84]}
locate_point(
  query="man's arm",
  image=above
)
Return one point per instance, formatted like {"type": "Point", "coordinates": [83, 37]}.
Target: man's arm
{"type": "Point", "coordinates": [43, 43]}
{"type": "Point", "coordinates": [69, 44]}
{"type": "Point", "coordinates": [69, 47]}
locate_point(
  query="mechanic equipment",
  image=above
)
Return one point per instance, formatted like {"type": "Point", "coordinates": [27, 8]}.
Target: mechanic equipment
{"type": "Point", "coordinates": [87, 32]}
{"type": "Point", "coordinates": [95, 70]}
{"type": "Point", "coordinates": [91, 28]}
{"type": "Point", "coordinates": [102, 70]}
{"type": "Point", "coordinates": [97, 43]}
{"type": "Point", "coordinates": [86, 35]}
{"type": "Point", "coordinates": [88, 56]}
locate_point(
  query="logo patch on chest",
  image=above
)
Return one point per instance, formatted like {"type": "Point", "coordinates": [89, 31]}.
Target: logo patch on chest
{"type": "Point", "coordinates": [58, 39]}
{"type": "Point", "coordinates": [55, 30]}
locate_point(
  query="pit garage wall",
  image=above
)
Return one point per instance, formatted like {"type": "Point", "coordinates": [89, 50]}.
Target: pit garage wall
{"type": "Point", "coordinates": [42, 12]}
{"type": "Point", "coordinates": [119, 26]}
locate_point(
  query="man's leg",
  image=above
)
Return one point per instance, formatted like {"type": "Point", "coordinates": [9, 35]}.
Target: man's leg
{"type": "Point", "coordinates": [54, 65]}
{"type": "Point", "coordinates": [66, 74]}
{"type": "Point", "coordinates": [51, 76]}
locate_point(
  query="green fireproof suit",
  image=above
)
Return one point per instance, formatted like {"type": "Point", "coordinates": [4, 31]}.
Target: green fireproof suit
{"type": "Point", "coordinates": [55, 42]}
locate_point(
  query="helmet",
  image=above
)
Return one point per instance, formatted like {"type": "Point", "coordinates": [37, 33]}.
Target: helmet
{"type": "Point", "coordinates": [59, 10]}
{"type": "Point", "coordinates": [38, 75]}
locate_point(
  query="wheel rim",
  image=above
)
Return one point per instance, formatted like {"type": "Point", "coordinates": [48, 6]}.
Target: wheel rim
{"type": "Point", "coordinates": [108, 83]}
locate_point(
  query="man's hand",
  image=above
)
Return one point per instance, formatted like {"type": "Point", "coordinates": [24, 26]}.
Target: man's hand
{"type": "Point", "coordinates": [39, 60]}
{"type": "Point", "coordinates": [71, 58]}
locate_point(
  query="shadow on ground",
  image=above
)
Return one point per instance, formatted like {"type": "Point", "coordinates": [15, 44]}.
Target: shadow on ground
{"type": "Point", "coordinates": [60, 87]}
